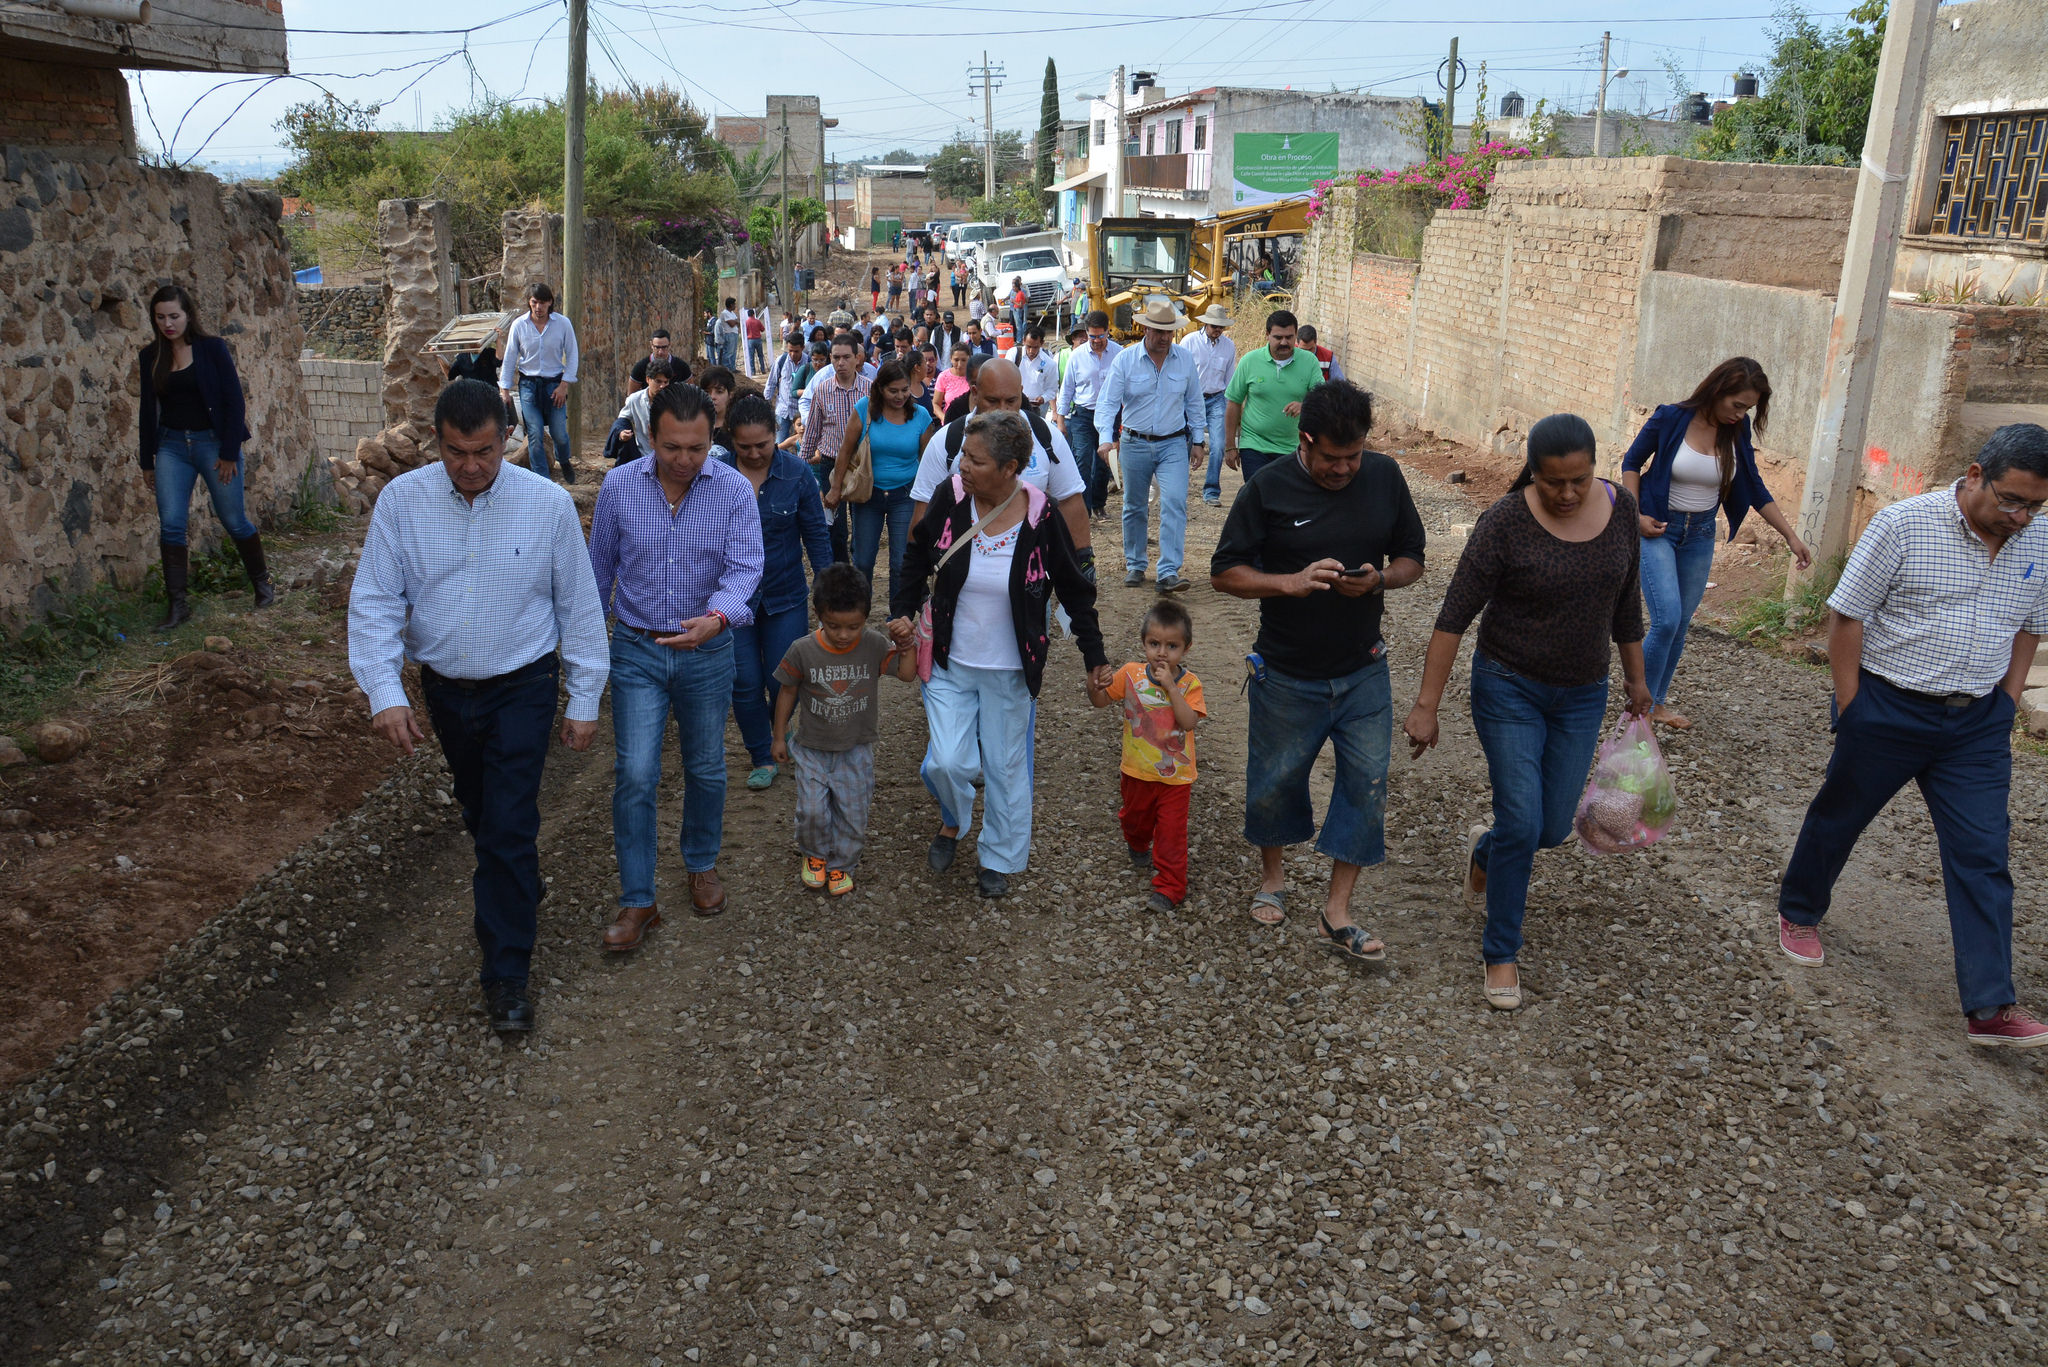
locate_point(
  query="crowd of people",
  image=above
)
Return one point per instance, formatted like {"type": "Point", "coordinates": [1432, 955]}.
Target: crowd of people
{"type": "Point", "coordinates": [734, 548]}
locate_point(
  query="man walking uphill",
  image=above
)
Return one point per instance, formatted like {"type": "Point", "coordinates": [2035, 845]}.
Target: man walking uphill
{"type": "Point", "coordinates": [1263, 400]}
{"type": "Point", "coordinates": [477, 569]}
{"type": "Point", "coordinates": [1318, 538]}
{"type": "Point", "coordinates": [1931, 633]}
{"type": "Point", "coordinates": [540, 365]}
{"type": "Point", "coordinates": [1156, 391]}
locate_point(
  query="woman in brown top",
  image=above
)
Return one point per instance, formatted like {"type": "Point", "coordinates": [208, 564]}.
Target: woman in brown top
{"type": "Point", "coordinates": [1553, 566]}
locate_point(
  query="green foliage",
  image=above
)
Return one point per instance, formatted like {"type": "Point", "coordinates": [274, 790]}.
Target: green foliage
{"type": "Point", "coordinates": [1019, 203]}
{"type": "Point", "coordinates": [1815, 105]}
{"type": "Point", "coordinates": [1772, 617]}
{"type": "Point", "coordinates": [1046, 171]}
{"type": "Point", "coordinates": [764, 224]}
{"type": "Point", "coordinates": [46, 656]}
{"type": "Point", "coordinates": [1479, 134]}
{"type": "Point", "coordinates": [956, 171]}
{"type": "Point", "coordinates": [647, 159]}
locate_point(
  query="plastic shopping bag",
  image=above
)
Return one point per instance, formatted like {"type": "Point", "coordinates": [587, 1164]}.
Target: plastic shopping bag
{"type": "Point", "coordinates": [1629, 802]}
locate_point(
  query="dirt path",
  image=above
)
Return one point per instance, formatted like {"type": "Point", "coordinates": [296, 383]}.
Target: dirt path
{"type": "Point", "coordinates": [917, 1127]}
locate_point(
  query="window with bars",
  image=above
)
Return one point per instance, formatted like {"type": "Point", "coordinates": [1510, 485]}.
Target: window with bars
{"type": "Point", "coordinates": [1201, 134]}
{"type": "Point", "coordinates": [1994, 178]}
{"type": "Point", "coordinates": [1172, 137]}
{"type": "Point", "coordinates": [1101, 132]}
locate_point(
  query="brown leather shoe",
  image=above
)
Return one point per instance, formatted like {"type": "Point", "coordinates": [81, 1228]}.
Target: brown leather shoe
{"type": "Point", "coordinates": [631, 928]}
{"type": "Point", "coordinates": [707, 894]}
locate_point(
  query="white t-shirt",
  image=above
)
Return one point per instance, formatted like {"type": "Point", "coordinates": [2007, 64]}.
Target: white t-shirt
{"type": "Point", "coordinates": [975, 308]}
{"type": "Point", "coordinates": [984, 637]}
{"type": "Point", "coordinates": [1695, 480]}
{"type": "Point", "coordinates": [1060, 480]}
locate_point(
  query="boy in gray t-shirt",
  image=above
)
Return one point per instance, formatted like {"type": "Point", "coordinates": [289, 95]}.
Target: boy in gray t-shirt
{"type": "Point", "coordinates": [830, 681]}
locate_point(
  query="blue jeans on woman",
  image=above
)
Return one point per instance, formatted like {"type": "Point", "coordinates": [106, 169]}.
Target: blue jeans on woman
{"type": "Point", "coordinates": [757, 649]}
{"type": "Point", "coordinates": [540, 413]}
{"type": "Point", "coordinates": [182, 460]}
{"type": "Point", "coordinates": [649, 682]}
{"type": "Point", "coordinates": [885, 508]}
{"type": "Point", "coordinates": [1539, 741]}
{"type": "Point", "coordinates": [1675, 567]}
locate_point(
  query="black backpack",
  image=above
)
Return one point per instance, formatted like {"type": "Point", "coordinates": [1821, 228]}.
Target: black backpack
{"type": "Point", "coordinates": [956, 433]}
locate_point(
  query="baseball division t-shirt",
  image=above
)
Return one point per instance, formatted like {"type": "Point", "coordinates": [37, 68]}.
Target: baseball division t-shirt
{"type": "Point", "coordinates": [837, 691]}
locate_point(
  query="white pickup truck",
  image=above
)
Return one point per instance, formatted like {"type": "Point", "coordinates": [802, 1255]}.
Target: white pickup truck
{"type": "Point", "coordinates": [1033, 256]}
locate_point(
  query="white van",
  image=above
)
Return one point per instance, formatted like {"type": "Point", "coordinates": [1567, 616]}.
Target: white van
{"type": "Point", "coordinates": [961, 237]}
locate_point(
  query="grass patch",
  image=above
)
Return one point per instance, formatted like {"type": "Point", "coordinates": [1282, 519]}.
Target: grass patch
{"type": "Point", "coordinates": [84, 636]}
{"type": "Point", "coordinates": [1770, 618]}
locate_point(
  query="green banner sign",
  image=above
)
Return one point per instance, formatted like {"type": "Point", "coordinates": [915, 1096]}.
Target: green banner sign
{"type": "Point", "coordinates": [1270, 166]}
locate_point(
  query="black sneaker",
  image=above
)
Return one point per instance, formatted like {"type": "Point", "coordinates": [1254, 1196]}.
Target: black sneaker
{"type": "Point", "coordinates": [940, 855]}
{"type": "Point", "coordinates": [511, 1009]}
{"type": "Point", "coordinates": [1159, 901]}
{"type": "Point", "coordinates": [1141, 862]}
{"type": "Point", "coordinates": [992, 884]}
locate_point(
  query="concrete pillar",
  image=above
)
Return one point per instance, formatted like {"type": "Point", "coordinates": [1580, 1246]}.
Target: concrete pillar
{"type": "Point", "coordinates": [417, 245]}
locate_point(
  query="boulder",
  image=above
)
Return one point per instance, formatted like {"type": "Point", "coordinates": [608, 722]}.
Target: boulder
{"type": "Point", "coordinates": [10, 753]}
{"type": "Point", "coordinates": [57, 741]}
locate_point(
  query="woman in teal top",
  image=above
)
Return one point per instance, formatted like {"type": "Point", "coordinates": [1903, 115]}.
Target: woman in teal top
{"type": "Point", "coordinates": [895, 440]}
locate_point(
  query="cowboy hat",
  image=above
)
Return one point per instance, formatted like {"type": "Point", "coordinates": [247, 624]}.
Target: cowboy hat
{"type": "Point", "coordinates": [1214, 316]}
{"type": "Point", "coordinates": [1161, 315]}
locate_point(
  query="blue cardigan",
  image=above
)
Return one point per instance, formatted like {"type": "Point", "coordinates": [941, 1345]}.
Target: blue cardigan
{"type": "Point", "coordinates": [1658, 443]}
{"type": "Point", "coordinates": [218, 385]}
{"type": "Point", "coordinates": [792, 522]}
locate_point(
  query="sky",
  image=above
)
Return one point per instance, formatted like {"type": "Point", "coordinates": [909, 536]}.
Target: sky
{"type": "Point", "coordinates": [895, 72]}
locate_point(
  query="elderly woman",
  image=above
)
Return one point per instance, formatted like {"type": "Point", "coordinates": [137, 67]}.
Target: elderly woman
{"type": "Point", "coordinates": [989, 552]}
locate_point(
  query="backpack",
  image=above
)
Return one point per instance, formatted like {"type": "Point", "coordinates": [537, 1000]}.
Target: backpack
{"type": "Point", "coordinates": [956, 433]}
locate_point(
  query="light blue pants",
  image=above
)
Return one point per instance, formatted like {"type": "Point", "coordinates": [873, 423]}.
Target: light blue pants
{"type": "Point", "coordinates": [1675, 569]}
{"type": "Point", "coordinates": [1144, 462]}
{"type": "Point", "coordinates": [650, 682]}
{"type": "Point", "coordinates": [1212, 481]}
{"type": "Point", "coordinates": [981, 722]}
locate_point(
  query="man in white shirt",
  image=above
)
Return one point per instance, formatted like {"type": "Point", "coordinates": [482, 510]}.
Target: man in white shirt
{"type": "Point", "coordinates": [729, 335]}
{"type": "Point", "coordinates": [540, 365]}
{"type": "Point", "coordinates": [1079, 389]}
{"type": "Point", "coordinates": [1215, 361]}
{"type": "Point", "coordinates": [997, 387]}
{"type": "Point", "coordinates": [478, 570]}
{"type": "Point", "coordinates": [1039, 371]}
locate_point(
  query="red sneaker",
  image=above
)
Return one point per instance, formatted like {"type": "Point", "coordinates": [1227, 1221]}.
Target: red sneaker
{"type": "Point", "coordinates": [2011, 1028]}
{"type": "Point", "coordinates": [1801, 943]}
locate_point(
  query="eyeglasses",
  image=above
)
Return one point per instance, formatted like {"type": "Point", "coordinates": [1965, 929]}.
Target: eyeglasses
{"type": "Point", "coordinates": [2013, 507]}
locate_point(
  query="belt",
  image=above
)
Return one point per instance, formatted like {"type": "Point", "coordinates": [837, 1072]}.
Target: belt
{"type": "Point", "coordinates": [649, 632]}
{"type": "Point", "coordinates": [1147, 436]}
{"type": "Point", "coordinates": [1211, 393]}
{"type": "Point", "coordinates": [544, 665]}
{"type": "Point", "coordinates": [557, 378]}
{"type": "Point", "coordinates": [1954, 702]}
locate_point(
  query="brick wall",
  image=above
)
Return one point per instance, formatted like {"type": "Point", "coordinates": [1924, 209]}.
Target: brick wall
{"type": "Point", "coordinates": [344, 398]}
{"type": "Point", "coordinates": [75, 109]}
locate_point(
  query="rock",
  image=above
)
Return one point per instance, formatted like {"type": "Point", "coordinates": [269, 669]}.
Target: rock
{"type": "Point", "coordinates": [1455, 477]}
{"type": "Point", "coordinates": [10, 753]}
{"type": "Point", "coordinates": [1823, 1343]}
{"type": "Point", "coordinates": [1045, 1177]}
{"type": "Point", "coordinates": [14, 818]}
{"type": "Point", "coordinates": [1814, 652]}
{"type": "Point", "coordinates": [57, 741]}
{"type": "Point", "coordinates": [1254, 1306]}
{"type": "Point", "coordinates": [218, 643]}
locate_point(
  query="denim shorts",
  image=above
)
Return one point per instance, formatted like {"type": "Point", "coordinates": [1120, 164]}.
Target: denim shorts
{"type": "Point", "coordinates": [1290, 720]}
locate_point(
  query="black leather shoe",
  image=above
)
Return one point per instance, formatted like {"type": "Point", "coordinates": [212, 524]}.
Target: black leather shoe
{"type": "Point", "coordinates": [940, 855]}
{"type": "Point", "coordinates": [992, 884]}
{"type": "Point", "coordinates": [511, 1009]}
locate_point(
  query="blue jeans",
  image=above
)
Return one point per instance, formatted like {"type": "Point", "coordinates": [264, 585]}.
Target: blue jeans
{"type": "Point", "coordinates": [729, 352]}
{"type": "Point", "coordinates": [885, 508]}
{"type": "Point", "coordinates": [1539, 742]}
{"type": "Point", "coordinates": [821, 471]}
{"type": "Point", "coordinates": [1250, 462]}
{"type": "Point", "coordinates": [496, 744]}
{"type": "Point", "coordinates": [1962, 760]}
{"type": "Point", "coordinates": [540, 413]}
{"type": "Point", "coordinates": [1167, 462]}
{"type": "Point", "coordinates": [757, 354]}
{"type": "Point", "coordinates": [783, 427]}
{"type": "Point", "coordinates": [648, 683]}
{"type": "Point", "coordinates": [981, 722]}
{"type": "Point", "coordinates": [1212, 481]}
{"type": "Point", "coordinates": [757, 649]}
{"type": "Point", "coordinates": [1081, 436]}
{"type": "Point", "coordinates": [1675, 567]}
{"type": "Point", "coordinates": [1289, 721]}
{"type": "Point", "coordinates": [182, 460]}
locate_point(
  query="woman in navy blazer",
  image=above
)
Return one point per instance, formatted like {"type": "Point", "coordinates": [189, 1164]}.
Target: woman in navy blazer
{"type": "Point", "coordinates": [1691, 460]}
{"type": "Point", "coordinates": [193, 428]}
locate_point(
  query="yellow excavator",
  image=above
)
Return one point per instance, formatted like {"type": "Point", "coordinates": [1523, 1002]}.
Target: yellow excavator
{"type": "Point", "coordinates": [1192, 262]}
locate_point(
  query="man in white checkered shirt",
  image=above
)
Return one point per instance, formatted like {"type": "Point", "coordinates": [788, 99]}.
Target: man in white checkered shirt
{"type": "Point", "coordinates": [1933, 630]}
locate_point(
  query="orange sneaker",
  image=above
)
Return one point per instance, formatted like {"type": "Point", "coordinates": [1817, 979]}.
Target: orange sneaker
{"type": "Point", "coordinates": [838, 884]}
{"type": "Point", "coordinates": [814, 873]}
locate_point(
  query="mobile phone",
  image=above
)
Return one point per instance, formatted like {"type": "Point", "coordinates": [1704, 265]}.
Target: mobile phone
{"type": "Point", "coordinates": [1358, 573]}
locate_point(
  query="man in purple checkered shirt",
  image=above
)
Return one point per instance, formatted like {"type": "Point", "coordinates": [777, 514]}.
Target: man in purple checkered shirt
{"type": "Point", "coordinates": [676, 546]}
{"type": "Point", "coordinates": [832, 395]}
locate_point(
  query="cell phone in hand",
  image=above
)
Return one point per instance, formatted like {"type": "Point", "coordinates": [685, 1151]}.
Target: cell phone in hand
{"type": "Point", "coordinates": [1358, 573]}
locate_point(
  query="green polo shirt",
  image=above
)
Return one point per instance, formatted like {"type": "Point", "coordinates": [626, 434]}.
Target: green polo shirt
{"type": "Point", "coordinates": [1265, 390]}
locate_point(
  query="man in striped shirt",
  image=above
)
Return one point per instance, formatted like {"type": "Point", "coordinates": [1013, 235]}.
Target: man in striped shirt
{"type": "Point", "coordinates": [477, 569]}
{"type": "Point", "coordinates": [832, 395]}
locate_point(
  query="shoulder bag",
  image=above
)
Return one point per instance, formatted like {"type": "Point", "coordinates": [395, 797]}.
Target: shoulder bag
{"type": "Point", "coordinates": [922, 633]}
{"type": "Point", "coordinates": [859, 484]}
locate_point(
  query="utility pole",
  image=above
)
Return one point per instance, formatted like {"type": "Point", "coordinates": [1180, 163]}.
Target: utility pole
{"type": "Point", "coordinates": [785, 241]}
{"type": "Point", "coordinates": [1600, 110]}
{"type": "Point", "coordinates": [1116, 179]}
{"type": "Point", "coordinates": [988, 78]}
{"type": "Point", "coordinates": [1835, 461]}
{"type": "Point", "coordinates": [1451, 100]}
{"type": "Point", "coordinates": [572, 197]}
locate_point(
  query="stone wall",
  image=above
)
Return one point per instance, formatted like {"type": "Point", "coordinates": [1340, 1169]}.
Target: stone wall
{"type": "Point", "coordinates": [345, 322]}
{"type": "Point", "coordinates": [64, 108]}
{"type": "Point", "coordinates": [631, 287]}
{"type": "Point", "coordinates": [83, 246]}
{"type": "Point", "coordinates": [346, 401]}
{"type": "Point", "coordinates": [419, 299]}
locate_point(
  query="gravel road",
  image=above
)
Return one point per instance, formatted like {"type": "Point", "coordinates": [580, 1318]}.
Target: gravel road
{"type": "Point", "coordinates": [916, 1127]}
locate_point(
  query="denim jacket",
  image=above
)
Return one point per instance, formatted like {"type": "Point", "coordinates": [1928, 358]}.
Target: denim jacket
{"type": "Point", "coordinates": [793, 523]}
{"type": "Point", "coordinates": [1657, 444]}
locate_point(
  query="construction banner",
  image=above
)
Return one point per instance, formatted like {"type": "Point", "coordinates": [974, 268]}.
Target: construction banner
{"type": "Point", "coordinates": [1270, 166]}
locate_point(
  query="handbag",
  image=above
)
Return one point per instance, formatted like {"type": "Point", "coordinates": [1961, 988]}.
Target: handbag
{"type": "Point", "coordinates": [921, 634]}
{"type": "Point", "coordinates": [859, 484]}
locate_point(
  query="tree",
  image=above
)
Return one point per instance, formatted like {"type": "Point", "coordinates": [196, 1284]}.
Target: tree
{"type": "Point", "coordinates": [334, 143]}
{"type": "Point", "coordinates": [1048, 133]}
{"type": "Point", "coordinates": [1815, 106]}
{"type": "Point", "coordinates": [765, 222]}
{"type": "Point", "coordinates": [956, 171]}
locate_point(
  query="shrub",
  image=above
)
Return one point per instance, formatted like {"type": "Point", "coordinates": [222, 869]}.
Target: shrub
{"type": "Point", "coordinates": [1394, 207]}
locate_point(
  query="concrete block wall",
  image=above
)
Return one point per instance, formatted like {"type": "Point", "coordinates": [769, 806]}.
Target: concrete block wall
{"type": "Point", "coordinates": [344, 399]}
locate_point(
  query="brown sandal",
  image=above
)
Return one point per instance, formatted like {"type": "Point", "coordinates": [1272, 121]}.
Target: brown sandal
{"type": "Point", "coordinates": [1277, 901]}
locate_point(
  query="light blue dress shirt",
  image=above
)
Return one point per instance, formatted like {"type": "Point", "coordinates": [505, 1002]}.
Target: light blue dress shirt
{"type": "Point", "coordinates": [1082, 385]}
{"type": "Point", "coordinates": [1154, 399]}
{"type": "Point", "coordinates": [475, 590]}
{"type": "Point", "coordinates": [529, 351]}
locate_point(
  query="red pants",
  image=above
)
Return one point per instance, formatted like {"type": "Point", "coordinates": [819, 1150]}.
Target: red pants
{"type": "Point", "coordinates": [1155, 818]}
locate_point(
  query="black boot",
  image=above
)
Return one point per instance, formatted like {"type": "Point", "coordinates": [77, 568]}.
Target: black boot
{"type": "Point", "coordinates": [259, 574]}
{"type": "Point", "coordinates": [176, 568]}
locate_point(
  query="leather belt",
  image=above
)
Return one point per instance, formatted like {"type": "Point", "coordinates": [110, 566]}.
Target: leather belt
{"type": "Point", "coordinates": [1147, 436]}
{"type": "Point", "coordinates": [1954, 702]}
{"type": "Point", "coordinates": [544, 665]}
